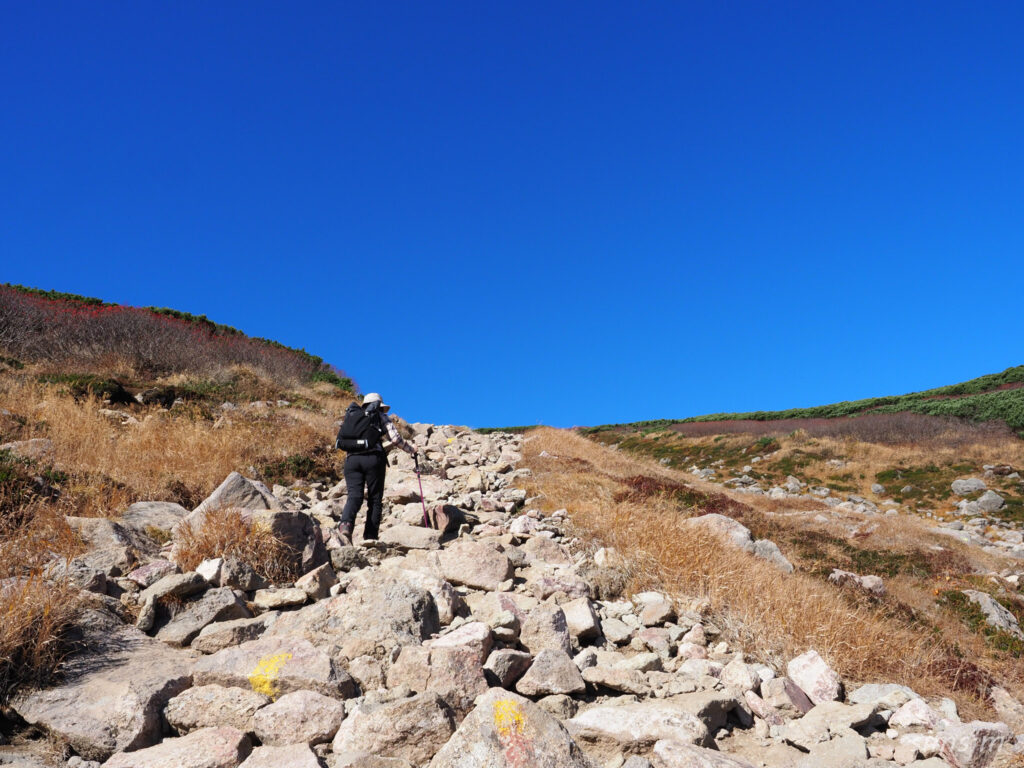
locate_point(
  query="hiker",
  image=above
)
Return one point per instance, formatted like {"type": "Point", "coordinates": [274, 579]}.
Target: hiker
{"type": "Point", "coordinates": [361, 436]}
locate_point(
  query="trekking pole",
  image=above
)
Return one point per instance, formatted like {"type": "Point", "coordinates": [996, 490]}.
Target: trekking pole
{"type": "Point", "coordinates": [426, 522]}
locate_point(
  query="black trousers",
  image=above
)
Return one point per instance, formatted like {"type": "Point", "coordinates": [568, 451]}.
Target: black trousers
{"type": "Point", "coordinates": [366, 469]}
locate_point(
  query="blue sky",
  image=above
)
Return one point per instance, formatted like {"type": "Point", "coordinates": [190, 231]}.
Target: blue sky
{"type": "Point", "coordinates": [560, 212]}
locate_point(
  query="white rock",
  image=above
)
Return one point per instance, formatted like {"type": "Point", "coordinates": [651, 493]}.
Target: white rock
{"type": "Point", "coordinates": [815, 678]}
{"type": "Point", "coordinates": [637, 726]}
{"type": "Point", "coordinates": [206, 748]}
{"type": "Point", "coordinates": [673, 754]}
{"type": "Point", "coordinates": [290, 756]}
{"type": "Point", "coordinates": [914, 713]}
{"type": "Point", "coordinates": [301, 717]}
{"type": "Point", "coordinates": [581, 619]}
{"type": "Point", "coordinates": [210, 570]}
{"type": "Point", "coordinates": [209, 706]}
{"type": "Point", "coordinates": [966, 485]}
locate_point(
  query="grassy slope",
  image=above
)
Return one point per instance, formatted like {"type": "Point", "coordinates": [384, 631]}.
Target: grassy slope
{"type": "Point", "coordinates": [987, 398]}
{"type": "Point", "coordinates": [108, 450]}
{"type": "Point", "coordinates": [919, 633]}
{"type": "Point", "coordinates": [170, 322]}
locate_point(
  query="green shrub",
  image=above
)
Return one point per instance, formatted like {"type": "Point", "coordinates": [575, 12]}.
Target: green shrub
{"type": "Point", "coordinates": [972, 616]}
{"type": "Point", "coordinates": [343, 383]}
{"type": "Point", "coordinates": [318, 464]}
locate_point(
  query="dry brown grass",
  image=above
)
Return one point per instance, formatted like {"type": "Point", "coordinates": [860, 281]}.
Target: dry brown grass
{"type": "Point", "coordinates": [34, 616]}
{"type": "Point", "coordinates": [809, 457]}
{"type": "Point", "coordinates": [772, 615]}
{"type": "Point", "coordinates": [868, 459]}
{"type": "Point", "coordinates": [101, 467]}
{"type": "Point", "coordinates": [113, 465]}
{"type": "Point", "coordinates": [34, 612]}
{"type": "Point", "coordinates": [229, 533]}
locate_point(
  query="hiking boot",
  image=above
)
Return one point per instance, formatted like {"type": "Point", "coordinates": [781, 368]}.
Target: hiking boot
{"type": "Point", "coordinates": [370, 535]}
{"type": "Point", "coordinates": [345, 534]}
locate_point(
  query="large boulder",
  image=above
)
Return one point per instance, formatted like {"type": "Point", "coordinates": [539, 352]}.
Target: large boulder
{"type": "Point", "coordinates": [111, 547]}
{"type": "Point", "coordinates": [378, 614]}
{"type": "Point", "coordinates": [456, 674]}
{"type": "Point", "coordinates": [551, 673]}
{"type": "Point", "coordinates": [408, 537]}
{"type": "Point", "coordinates": [35, 449]}
{"type": "Point", "coordinates": [828, 720]}
{"type": "Point", "coordinates": [405, 488]}
{"type": "Point", "coordinates": [207, 748]}
{"type": "Point", "coordinates": [210, 706]}
{"type": "Point", "coordinates": [275, 666]}
{"type": "Point", "coordinates": [448, 601]}
{"type": "Point", "coordinates": [365, 760]}
{"type": "Point", "coordinates": [179, 585]}
{"type": "Point", "coordinates": [113, 689]}
{"type": "Point", "coordinates": [815, 677]}
{"type": "Point", "coordinates": [846, 750]}
{"type": "Point", "coordinates": [301, 717]}
{"type": "Point", "coordinates": [581, 619]}
{"type": "Point", "coordinates": [674, 754]}
{"type": "Point", "coordinates": [544, 628]}
{"type": "Point", "coordinates": [967, 485]}
{"type": "Point", "coordinates": [191, 619]}
{"type": "Point", "coordinates": [769, 550]}
{"type": "Point", "coordinates": [540, 549]}
{"type": "Point", "coordinates": [509, 731]}
{"type": "Point", "coordinates": [972, 745]}
{"type": "Point", "coordinates": [783, 694]}
{"type": "Point", "coordinates": [272, 599]}
{"type": "Point", "coordinates": [507, 665]}
{"type": "Point", "coordinates": [149, 574]}
{"type": "Point", "coordinates": [621, 680]}
{"type": "Point", "coordinates": [290, 756]}
{"type": "Point", "coordinates": [995, 614]}
{"type": "Point", "coordinates": [474, 635]}
{"type": "Point", "coordinates": [475, 564]}
{"type": "Point", "coordinates": [723, 527]}
{"type": "Point", "coordinates": [237, 492]}
{"type": "Point", "coordinates": [224, 634]}
{"type": "Point", "coordinates": [148, 517]}
{"type": "Point", "coordinates": [636, 727]}
{"type": "Point", "coordinates": [884, 696]}
{"type": "Point", "coordinates": [411, 729]}
{"type": "Point", "coordinates": [990, 501]}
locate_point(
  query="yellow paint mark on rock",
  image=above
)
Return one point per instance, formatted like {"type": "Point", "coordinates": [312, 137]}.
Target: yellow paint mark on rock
{"type": "Point", "coordinates": [263, 676]}
{"type": "Point", "coordinates": [508, 719]}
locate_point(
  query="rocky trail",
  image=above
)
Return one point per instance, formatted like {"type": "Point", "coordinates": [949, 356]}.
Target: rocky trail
{"type": "Point", "coordinates": [502, 642]}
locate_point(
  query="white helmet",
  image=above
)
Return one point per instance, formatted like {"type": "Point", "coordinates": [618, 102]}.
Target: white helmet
{"type": "Point", "coordinates": [373, 397]}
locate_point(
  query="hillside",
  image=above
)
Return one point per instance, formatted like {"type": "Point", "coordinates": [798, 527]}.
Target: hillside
{"type": "Point", "coordinates": [86, 334]}
{"type": "Point", "coordinates": [920, 496]}
{"type": "Point", "coordinates": [174, 590]}
{"type": "Point", "coordinates": [995, 398]}
{"type": "Point", "coordinates": [103, 406]}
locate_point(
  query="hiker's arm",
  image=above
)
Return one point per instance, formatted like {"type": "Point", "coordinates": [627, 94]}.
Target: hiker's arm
{"type": "Point", "coordinates": [395, 437]}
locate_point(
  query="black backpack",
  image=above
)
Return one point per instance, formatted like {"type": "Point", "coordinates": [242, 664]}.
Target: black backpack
{"type": "Point", "coordinates": [360, 432]}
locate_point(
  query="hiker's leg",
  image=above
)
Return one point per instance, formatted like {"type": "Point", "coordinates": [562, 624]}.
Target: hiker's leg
{"type": "Point", "coordinates": [375, 491]}
{"type": "Point", "coordinates": [354, 478]}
